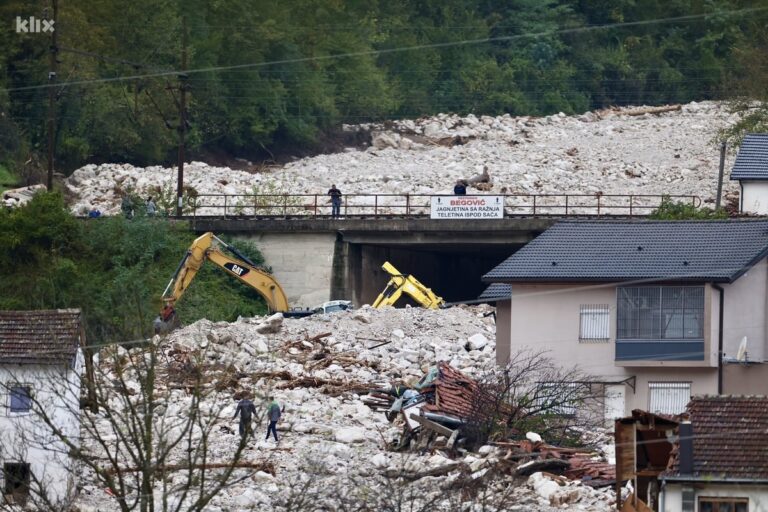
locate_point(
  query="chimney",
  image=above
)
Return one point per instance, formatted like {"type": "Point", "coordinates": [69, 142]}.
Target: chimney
{"type": "Point", "coordinates": [685, 455]}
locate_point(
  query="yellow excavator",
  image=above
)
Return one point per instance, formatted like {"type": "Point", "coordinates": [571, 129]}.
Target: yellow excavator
{"type": "Point", "coordinates": [209, 247]}
{"type": "Point", "coordinates": [400, 284]}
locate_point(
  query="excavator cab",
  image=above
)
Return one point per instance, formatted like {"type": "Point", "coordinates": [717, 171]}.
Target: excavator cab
{"type": "Point", "coordinates": [400, 284]}
{"type": "Point", "coordinates": [209, 247]}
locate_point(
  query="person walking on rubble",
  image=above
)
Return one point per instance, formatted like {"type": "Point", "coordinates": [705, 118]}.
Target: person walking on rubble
{"type": "Point", "coordinates": [245, 409]}
{"type": "Point", "coordinates": [273, 415]}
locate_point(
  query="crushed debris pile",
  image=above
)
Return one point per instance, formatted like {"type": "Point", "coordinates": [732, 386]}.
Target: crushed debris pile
{"type": "Point", "coordinates": [576, 464]}
{"type": "Point", "coordinates": [334, 448]}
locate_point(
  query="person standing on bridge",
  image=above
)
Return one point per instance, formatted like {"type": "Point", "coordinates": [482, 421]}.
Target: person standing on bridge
{"type": "Point", "coordinates": [335, 201]}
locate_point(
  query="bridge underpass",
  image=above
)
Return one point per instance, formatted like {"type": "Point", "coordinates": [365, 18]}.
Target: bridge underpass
{"type": "Point", "coordinates": [322, 259]}
{"type": "Point", "coordinates": [453, 271]}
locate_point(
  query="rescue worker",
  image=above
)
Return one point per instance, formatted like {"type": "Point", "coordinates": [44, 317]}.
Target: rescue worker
{"type": "Point", "coordinates": [245, 409]}
{"type": "Point", "coordinates": [273, 415]}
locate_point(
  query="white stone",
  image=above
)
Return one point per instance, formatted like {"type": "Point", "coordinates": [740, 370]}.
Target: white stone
{"type": "Point", "coordinates": [380, 460]}
{"type": "Point", "coordinates": [477, 341]}
{"type": "Point", "coordinates": [533, 437]}
{"type": "Point", "coordinates": [349, 435]}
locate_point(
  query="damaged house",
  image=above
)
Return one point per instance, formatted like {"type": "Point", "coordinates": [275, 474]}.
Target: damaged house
{"type": "Point", "coordinates": [41, 365]}
{"type": "Point", "coordinates": [656, 310]}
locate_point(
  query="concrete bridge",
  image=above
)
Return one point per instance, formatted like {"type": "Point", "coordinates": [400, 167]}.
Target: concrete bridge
{"type": "Point", "coordinates": [321, 259]}
{"type": "Point", "coordinates": [317, 258]}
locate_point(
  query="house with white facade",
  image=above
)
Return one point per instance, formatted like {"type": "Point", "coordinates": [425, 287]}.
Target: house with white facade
{"type": "Point", "coordinates": [41, 365]}
{"type": "Point", "coordinates": [720, 460]}
{"type": "Point", "coordinates": [653, 311]}
{"type": "Point", "coordinates": [751, 171]}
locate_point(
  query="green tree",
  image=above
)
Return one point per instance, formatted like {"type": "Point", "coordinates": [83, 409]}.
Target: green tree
{"type": "Point", "coordinates": [113, 269]}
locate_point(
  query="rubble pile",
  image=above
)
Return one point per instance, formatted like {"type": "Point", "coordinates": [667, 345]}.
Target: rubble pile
{"type": "Point", "coordinates": [19, 196]}
{"type": "Point", "coordinates": [335, 450]}
{"type": "Point", "coordinates": [613, 151]}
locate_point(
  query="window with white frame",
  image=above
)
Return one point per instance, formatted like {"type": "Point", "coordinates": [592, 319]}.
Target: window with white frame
{"type": "Point", "coordinates": [20, 397]}
{"type": "Point", "coordinates": [595, 322]}
{"type": "Point", "coordinates": [668, 397]}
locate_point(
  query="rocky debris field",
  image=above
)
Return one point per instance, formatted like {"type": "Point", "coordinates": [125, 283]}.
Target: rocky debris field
{"type": "Point", "coordinates": [333, 450]}
{"type": "Point", "coordinates": [614, 151]}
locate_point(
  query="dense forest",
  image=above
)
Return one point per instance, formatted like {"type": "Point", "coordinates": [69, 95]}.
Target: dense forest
{"type": "Point", "coordinates": [275, 78]}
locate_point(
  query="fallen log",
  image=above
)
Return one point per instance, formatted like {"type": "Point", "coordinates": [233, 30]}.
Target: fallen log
{"type": "Point", "coordinates": [281, 375]}
{"type": "Point", "coordinates": [535, 466]}
{"type": "Point", "coordinates": [266, 467]}
{"type": "Point", "coordinates": [483, 177]}
{"type": "Point", "coordinates": [416, 475]}
{"type": "Point", "coordinates": [652, 110]}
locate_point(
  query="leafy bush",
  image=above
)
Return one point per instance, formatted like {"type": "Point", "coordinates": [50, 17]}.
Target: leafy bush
{"type": "Point", "coordinates": [114, 269]}
{"type": "Point", "coordinates": [680, 210]}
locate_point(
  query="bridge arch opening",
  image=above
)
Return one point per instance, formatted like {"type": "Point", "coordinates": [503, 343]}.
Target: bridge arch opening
{"type": "Point", "coordinates": [452, 271]}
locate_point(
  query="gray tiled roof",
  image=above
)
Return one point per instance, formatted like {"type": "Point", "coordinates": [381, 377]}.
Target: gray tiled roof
{"type": "Point", "coordinates": [606, 251]}
{"type": "Point", "coordinates": [497, 291]}
{"type": "Point", "coordinates": [44, 337]}
{"type": "Point", "coordinates": [752, 160]}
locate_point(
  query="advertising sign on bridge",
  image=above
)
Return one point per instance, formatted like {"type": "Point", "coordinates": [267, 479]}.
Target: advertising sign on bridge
{"type": "Point", "coordinates": [467, 207]}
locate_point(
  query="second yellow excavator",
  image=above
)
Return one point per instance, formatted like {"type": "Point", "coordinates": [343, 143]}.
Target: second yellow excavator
{"type": "Point", "coordinates": [238, 265]}
{"type": "Point", "coordinates": [400, 284]}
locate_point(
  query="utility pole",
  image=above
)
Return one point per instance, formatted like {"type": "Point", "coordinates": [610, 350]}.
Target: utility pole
{"type": "Point", "coordinates": [720, 175]}
{"type": "Point", "coordinates": [54, 50]}
{"type": "Point", "coordinates": [182, 116]}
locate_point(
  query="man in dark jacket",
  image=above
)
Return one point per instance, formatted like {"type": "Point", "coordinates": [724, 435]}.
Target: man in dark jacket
{"type": "Point", "coordinates": [460, 189]}
{"type": "Point", "coordinates": [245, 409]}
{"type": "Point", "coordinates": [335, 201]}
{"type": "Point", "coordinates": [273, 415]}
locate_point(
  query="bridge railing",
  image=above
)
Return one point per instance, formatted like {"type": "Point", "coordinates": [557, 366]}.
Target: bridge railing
{"type": "Point", "coordinates": [418, 205]}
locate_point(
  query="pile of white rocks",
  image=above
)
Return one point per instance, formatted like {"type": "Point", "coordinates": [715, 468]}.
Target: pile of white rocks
{"type": "Point", "coordinates": [20, 196]}
{"type": "Point", "coordinates": [608, 152]}
{"type": "Point", "coordinates": [333, 447]}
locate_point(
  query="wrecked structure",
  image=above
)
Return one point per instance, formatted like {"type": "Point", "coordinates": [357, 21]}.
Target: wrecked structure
{"type": "Point", "coordinates": [643, 447]}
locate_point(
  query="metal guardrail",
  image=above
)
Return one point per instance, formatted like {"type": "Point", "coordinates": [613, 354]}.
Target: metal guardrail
{"type": "Point", "coordinates": [418, 205]}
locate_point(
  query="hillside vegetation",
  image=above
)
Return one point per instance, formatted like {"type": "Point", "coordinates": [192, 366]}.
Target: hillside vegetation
{"type": "Point", "coordinates": [113, 269]}
{"type": "Point", "coordinates": [272, 78]}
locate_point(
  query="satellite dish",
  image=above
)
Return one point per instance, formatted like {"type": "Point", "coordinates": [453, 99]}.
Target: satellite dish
{"type": "Point", "coordinates": [741, 355]}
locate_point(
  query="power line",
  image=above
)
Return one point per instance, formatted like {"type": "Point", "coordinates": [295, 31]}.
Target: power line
{"type": "Point", "coordinates": [466, 42]}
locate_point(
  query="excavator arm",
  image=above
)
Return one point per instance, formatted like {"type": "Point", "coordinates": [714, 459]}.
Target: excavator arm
{"type": "Point", "coordinates": [400, 284]}
{"type": "Point", "coordinates": [237, 265]}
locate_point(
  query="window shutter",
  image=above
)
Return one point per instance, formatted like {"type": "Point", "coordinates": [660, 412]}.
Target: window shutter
{"type": "Point", "coordinates": [668, 397]}
{"type": "Point", "coordinates": [595, 322]}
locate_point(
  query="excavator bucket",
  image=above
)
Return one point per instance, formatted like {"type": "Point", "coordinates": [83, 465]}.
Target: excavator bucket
{"type": "Point", "coordinates": [166, 321]}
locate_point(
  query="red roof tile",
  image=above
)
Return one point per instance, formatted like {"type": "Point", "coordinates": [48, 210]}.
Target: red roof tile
{"type": "Point", "coordinates": [730, 437]}
{"type": "Point", "coordinates": [47, 337]}
{"type": "Point", "coordinates": [454, 392]}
